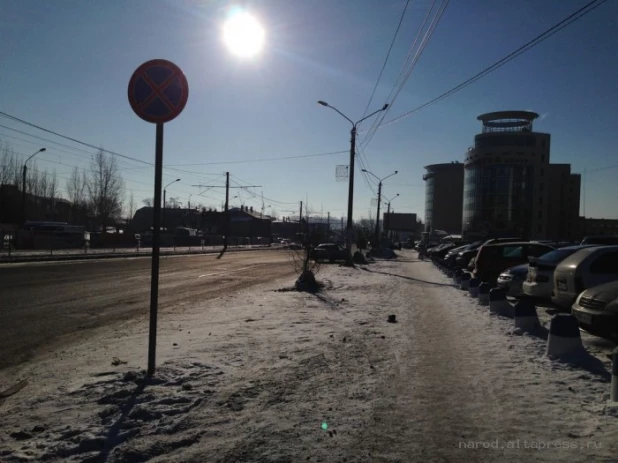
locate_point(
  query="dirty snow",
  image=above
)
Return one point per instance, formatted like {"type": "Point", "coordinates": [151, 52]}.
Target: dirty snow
{"type": "Point", "coordinates": [281, 376]}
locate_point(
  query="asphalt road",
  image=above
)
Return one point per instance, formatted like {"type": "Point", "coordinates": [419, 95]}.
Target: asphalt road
{"type": "Point", "coordinates": [49, 302]}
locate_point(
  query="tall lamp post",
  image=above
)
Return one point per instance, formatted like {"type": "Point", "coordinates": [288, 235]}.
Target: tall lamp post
{"type": "Point", "coordinates": [380, 180]}
{"type": "Point", "coordinates": [23, 185]}
{"type": "Point", "coordinates": [388, 210]}
{"type": "Point", "coordinates": [349, 228]}
{"type": "Point", "coordinates": [164, 201]}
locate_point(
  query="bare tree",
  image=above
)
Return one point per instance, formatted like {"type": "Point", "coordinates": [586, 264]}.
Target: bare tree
{"type": "Point", "coordinates": [52, 186]}
{"type": "Point", "coordinates": [52, 192]}
{"type": "Point", "coordinates": [10, 169]}
{"type": "Point", "coordinates": [76, 187]}
{"type": "Point", "coordinates": [148, 202]}
{"type": "Point", "coordinates": [105, 188]}
{"type": "Point", "coordinates": [131, 210]}
{"type": "Point", "coordinates": [173, 203]}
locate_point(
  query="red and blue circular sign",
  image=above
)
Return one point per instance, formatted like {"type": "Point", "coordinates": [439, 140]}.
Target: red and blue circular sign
{"type": "Point", "coordinates": [158, 91]}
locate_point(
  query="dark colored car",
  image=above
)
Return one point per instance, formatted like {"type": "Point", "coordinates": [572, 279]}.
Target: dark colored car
{"type": "Point", "coordinates": [441, 251]}
{"type": "Point", "coordinates": [596, 310]}
{"type": "Point", "coordinates": [472, 260]}
{"type": "Point", "coordinates": [453, 254]}
{"type": "Point", "coordinates": [329, 251]}
{"type": "Point", "coordinates": [493, 259]}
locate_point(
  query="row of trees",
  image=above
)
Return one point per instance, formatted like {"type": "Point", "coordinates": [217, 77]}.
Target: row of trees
{"type": "Point", "coordinates": [96, 192]}
{"type": "Point", "coordinates": [38, 183]}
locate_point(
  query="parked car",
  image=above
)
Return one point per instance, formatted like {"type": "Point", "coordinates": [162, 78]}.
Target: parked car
{"type": "Point", "coordinates": [467, 257]}
{"type": "Point", "coordinates": [329, 251]}
{"type": "Point", "coordinates": [440, 251]}
{"type": "Point", "coordinates": [596, 310]}
{"type": "Point", "coordinates": [511, 280]}
{"type": "Point", "coordinates": [584, 269]}
{"type": "Point", "coordinates": [607, 240]}
{"type": "Point", "coordinates": [464, 256]}
{"type": "Point", "coordinates": [540, 280]}
{"type": "Point", "coordinates": [451, 256]}
{"type": "Point", "coordinates": [472, 260]}
{"type": "Point", "coordinates": [493, 259]}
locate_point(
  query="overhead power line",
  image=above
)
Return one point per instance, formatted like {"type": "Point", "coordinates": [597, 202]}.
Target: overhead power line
{"type": "Point", "coordinates": [260, 160]}
{"type": "Point", "coordinates": [388, 54]}
{"type": "Point", "coordinates": [580, 13]}
{"type": "Point", "coordinates": [88, 154]}
{"type": "Point", "coordinates": [421, 48]}
{"type": "Point", "coordinates": [74, 140]}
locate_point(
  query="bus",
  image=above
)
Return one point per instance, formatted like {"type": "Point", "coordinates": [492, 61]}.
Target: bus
{"type": "Point", "coordinates": [43, 235]}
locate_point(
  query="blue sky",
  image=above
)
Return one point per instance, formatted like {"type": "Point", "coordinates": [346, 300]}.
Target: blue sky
{"type": "Point", "coordinates": [66, 65]}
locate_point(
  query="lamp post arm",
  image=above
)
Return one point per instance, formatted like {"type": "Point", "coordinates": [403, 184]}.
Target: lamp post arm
{"type": "Point", "coordinates": [367, 117]}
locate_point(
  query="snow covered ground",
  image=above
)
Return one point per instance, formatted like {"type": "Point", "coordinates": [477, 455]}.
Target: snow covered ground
{"type": "Point", "coordinates": [281, 376]}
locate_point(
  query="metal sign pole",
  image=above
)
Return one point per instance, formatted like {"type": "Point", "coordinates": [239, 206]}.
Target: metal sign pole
{"type": "Point", "coordinates": [158, 92]}
{"type": "Point", "coordinates": [156, 235]}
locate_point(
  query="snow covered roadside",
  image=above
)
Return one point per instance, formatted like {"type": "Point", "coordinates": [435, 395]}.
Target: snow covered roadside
{"type": "Point", "coordinates": [287, 377]}
{"type": "Point", "coordinates": [258, 373]}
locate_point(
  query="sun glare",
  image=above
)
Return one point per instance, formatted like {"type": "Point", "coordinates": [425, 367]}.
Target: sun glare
{"type": "Point", "coordinates": [243, 34]}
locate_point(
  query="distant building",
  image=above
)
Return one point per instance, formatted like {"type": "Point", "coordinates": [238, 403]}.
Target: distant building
{"type": "Point", "coordinates": [589, 226]}
{"type": "Point", "coordinates": [562, 206]}
{"type": "Point", "coordinates": [37, 207]}
{"type": "Point", "coordinates": [243, 221]}
{"type": "Point", "coordinates": [444, 197]}
{"type": "Point", "coordinates": [503, 177]}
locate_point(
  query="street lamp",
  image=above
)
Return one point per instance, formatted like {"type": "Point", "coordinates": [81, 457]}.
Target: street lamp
{"type": "Point", "coordinates": [164, 202]}
{"type": "Point", "coordinates": [351, 173]}
{"type": "Point", "coordinates": [388, 210]}
{"type": "Point", "coordinates": [380, 180]}
{"type": "Point", "coordinates": [23, 186]}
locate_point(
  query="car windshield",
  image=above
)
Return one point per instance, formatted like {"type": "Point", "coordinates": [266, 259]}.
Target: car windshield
{"type": "Point", "coordinates": [557, 256]}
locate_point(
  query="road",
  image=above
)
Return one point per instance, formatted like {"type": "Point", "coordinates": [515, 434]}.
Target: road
{"type": "Point", "coordinates": [48, 302]}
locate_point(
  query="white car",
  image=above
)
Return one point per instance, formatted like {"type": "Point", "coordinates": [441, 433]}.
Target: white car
{"type": "Point", "coordinates": [540, 280]}
{"type": "Point", "coordinates": [584, 269]}
{"type": "Point", "coordinates": [511, 280]}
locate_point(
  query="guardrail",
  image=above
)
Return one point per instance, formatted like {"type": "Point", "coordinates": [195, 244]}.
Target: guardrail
{"type": "Point", "coordinates": [12, 255]}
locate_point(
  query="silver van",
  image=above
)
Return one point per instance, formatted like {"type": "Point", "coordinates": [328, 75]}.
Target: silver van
{"type": "Point", "coordinates": [584, 269]}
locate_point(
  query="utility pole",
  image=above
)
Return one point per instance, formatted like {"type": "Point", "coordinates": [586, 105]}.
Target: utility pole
{"type": "Point", "coordinates": [226, 213]}
{"type": "Point", "coordinates": [350, 225]}
{"type": "Point", "coordinates": [328, 224]}
{"type": "Point", "coordinates": [377, 235]}
{"type": "Point", "coordinates": [23, 185]}
{"type": "Point", "coordinates": [300, 220]}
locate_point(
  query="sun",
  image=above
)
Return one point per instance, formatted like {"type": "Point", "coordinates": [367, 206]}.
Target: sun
{"type": "Point", "coordinates": [243, 34]}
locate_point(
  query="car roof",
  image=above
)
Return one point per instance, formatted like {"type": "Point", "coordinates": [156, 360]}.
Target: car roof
{"type": "Point", "coordinates": [515, 243]}
{"type": "Point", "coordinates": [580, 246]}
{"type": "Point", "coordinates": [585, 252]}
